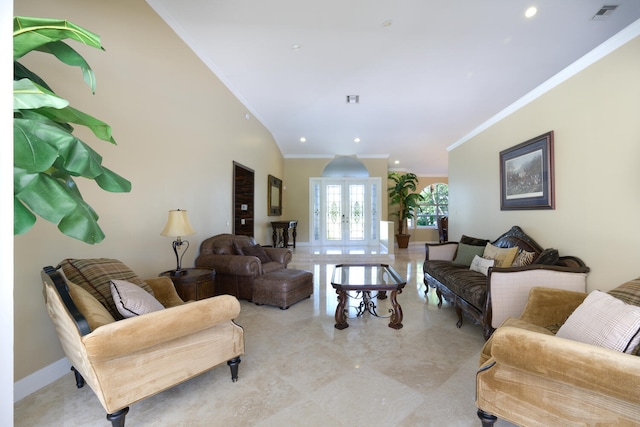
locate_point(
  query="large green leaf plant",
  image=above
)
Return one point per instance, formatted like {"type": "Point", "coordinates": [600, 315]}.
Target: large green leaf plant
{"type": "Point", "coordinates": [46, 154]}
{"type": "Point", "coordinates": [402, 193]}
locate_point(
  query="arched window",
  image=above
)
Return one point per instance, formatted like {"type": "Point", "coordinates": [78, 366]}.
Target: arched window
{"type": "Point", "coordinates": [434, 205]}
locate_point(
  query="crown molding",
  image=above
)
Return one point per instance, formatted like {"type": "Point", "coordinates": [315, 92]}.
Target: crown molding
{"type": "Point", "coordinates": [619, 39]}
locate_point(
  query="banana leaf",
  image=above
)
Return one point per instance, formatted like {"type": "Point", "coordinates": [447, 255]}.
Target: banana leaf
{"type": "Point", "coordinates": [31, 33]}
{"type": "Point", "coordinates": [46, 153]}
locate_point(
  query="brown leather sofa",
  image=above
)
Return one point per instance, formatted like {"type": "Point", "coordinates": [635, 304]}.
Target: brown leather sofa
{"type": "Point", "coordinates": [530, 377]}
{"type": "Point", "coordinates": [238, 261]}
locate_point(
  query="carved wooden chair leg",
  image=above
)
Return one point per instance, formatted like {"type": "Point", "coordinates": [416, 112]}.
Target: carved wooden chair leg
{"type": "Point", "coordinates": [233, 364]}
{"type": "Point", "coordinates": [439, 297]}
{"type": "Point", "coordinates": [487, 419]}
{"type": "Point", "coordinates": [117, 418]}
{"type": "Point", "coordinates": [79, 379]}
{"type": "Point", "coordinates": [459, 313]}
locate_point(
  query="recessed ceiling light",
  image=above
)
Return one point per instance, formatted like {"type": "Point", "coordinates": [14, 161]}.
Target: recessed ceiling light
{"type": "Point", "coordinates": [303, 139]}
{"type": "Point", "coordinates": [531, 12]}
{"type": "Point", "coordinates": [356, 140]}
{"type": "Point", "coordinates": [387, 23]}
{"type": "Point", "coordinates": [295, 47]}
{"type": "Point", "coordinates": [397, 162]}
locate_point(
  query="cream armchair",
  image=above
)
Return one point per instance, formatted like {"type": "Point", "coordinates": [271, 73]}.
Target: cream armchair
{"type": "Point", "coordinates": [530, 377]}
{"type": "Point", "coordinates": [128, 360]}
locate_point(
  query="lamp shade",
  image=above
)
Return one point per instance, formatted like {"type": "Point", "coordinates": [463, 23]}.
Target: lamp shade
{"type": "Point", "coordinates": [177, 224]}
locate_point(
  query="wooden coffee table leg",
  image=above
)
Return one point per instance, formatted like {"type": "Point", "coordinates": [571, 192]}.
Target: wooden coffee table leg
{"type": "Point", "coordinates": [341, 315]}
{"type": "Point", "coordinates": [396, 315]}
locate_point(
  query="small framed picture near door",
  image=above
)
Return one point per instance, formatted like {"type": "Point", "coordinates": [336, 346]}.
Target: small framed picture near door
{"type": "Point", "coordinates": [274, 196]}
{"type": "Point", "coordinates": [526, 175]}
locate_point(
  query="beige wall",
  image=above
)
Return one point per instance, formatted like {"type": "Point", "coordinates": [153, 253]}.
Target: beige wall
{"type": "Point", "coordinates": [178, 131]}
{"type": "Point", "coordinates": [594, 116]}
{"type": "Point", "coordinates": [296, 183]}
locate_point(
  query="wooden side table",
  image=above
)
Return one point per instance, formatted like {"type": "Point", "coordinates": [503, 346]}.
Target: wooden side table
{"type": "Point", "coordinates": [282, 240]}
{"type": "Point", "coordinates": [195, 284]}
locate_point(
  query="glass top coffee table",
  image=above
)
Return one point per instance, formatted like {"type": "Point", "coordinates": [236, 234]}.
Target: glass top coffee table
{"type": "Point", "coordinates": [366, 282]}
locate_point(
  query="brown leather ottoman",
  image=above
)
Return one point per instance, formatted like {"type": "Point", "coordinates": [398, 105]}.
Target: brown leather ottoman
{"type": "Point", "coordinates": [283, 288]}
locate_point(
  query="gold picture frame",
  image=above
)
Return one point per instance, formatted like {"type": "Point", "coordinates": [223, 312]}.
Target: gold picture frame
{"type": "Point", "coordinates": [274, 196]}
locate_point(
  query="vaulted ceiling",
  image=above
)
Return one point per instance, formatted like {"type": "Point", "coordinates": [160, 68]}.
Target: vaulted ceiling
{"type": "Point", "coordinates": [426, 72]}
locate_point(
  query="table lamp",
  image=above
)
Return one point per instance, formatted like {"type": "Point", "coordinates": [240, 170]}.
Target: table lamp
{"type": "Point", "coordinates": [178, 225]}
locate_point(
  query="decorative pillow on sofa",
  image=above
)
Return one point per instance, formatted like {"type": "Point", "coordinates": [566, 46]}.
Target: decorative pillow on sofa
{"type": "Point", "coordinates": [91, 309]}
{"type": "Point", "coordinates": [548, 257]}
{"type": "Point", "coordinates": [465, 254]}
{"type": "Point", "coordinates": [257, 251]}
{"type": "Point", "coordinates": [630, 293]}
{"type": "Point", "coordinates": [237, 249]}
{"type": "Point", "coordinates": [481, 265]}
{"type": "Point", "coordinates": [94, 276]}
{"type": "Point", "coordinates": [503, 256]}
{"type": "Point", "coordinates": [131, 300]}
{"type": "Point", "coordinates": [523, 258]}
{"type": "Point", "coordinates": [473, 241]}
{"type": "Point", "coordinates": [605, 321]}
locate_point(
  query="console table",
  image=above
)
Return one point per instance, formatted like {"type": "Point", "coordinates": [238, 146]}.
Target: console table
{"type": "Point", "coordinates": [282, 239]}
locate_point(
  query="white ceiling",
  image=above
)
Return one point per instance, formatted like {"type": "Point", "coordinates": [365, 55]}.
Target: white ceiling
{"type": "Point", "coordinates": [436, 73]}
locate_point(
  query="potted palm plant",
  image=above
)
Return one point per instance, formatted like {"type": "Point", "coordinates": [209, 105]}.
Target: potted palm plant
{"type": "Point", "coordinates": [402, 193]}
{"type": "Point", "coordinates": [47, 156]}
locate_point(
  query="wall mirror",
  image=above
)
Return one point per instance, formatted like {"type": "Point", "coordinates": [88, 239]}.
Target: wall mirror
{"type": "Point", "coordinates": [274, 194]}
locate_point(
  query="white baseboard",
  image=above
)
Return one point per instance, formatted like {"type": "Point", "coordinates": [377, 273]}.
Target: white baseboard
{"type": "Point", "coordinates": [37, 380]}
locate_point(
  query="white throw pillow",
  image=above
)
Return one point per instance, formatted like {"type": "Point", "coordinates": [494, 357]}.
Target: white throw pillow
{"type": "Point", "coordinates": [604, 321]}
{"type": "Point", "coordinates": [481, 265]}
{"type": "Point", "coordinates": [131, 300]}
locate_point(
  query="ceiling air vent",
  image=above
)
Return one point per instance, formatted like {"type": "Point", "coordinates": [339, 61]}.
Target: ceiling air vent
{"type": "Point", "coordinates": [604, 12]}
{"type": "Point", "coordinates": [353, 99]}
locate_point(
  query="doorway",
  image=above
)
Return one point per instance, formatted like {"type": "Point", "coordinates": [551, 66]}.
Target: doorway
{"type": "Point", "coordinates": [344, 211]}
{"type": "Point", "coordinates": [243, 193]}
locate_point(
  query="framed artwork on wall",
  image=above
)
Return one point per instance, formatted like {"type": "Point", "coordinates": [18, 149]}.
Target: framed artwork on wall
{"type": "Point", "coordinates": [526, 175]}
{"type": "Point", "coordinates": [274, 196]}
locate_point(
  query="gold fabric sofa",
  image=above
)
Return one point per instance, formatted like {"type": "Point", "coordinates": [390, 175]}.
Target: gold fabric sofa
{"type": "Point", "coordinates": [530, 377]}
{"type": "Point", "coordinates": [124, 361]}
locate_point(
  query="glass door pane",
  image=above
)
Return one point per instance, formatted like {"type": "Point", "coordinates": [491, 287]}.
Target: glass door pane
{"type": "Point", "coordinates": [357, 218]}
{"type": "Point", "coordinates": [344, 211]}
{"type": "Point", "coordinates": [333, 209]}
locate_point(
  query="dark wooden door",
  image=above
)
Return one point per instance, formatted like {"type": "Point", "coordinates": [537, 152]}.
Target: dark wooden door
{"type": "Point", "coordinates": [243, 192]}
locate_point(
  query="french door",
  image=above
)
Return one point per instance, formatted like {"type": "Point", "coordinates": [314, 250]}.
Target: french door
{"type": "Point", "coordinates": [344, 211]}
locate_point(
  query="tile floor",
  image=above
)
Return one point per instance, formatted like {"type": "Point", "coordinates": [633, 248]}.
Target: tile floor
{"type": "Point", "coordinates": [298, 370]}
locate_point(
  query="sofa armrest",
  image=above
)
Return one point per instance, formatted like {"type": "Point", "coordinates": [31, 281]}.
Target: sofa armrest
{"type": "Point", "coordinates": [508, 288]}
{"type": "Point", "coordinates": [138, 333]}
{"type": "Point", "coordinates": [281, 255]}
{"type": "Point", "coordinates": [547, 306]}
{"type": "Point", "coordinates": [164, 291]}
{"type": "Point", "coordinates": [237, 265]}
{"type": "Point", "coordinates": [600, 370]}
{"type": "Point", "coordinates": [440, 251]}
